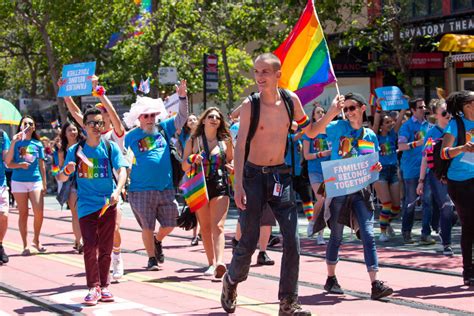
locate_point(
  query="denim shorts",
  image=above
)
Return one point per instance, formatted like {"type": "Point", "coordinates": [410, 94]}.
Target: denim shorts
{"type": "Point", "coordinates": [389, 174]}
{"type": "Point", "coordinates": [315, 177]}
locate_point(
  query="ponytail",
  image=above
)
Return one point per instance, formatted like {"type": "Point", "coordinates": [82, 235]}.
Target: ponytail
{"type": "Point", "coordinates": [456, 100]}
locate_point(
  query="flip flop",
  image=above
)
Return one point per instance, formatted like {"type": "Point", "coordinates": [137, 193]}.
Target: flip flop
{"type": "Point", "coordinates": [40, 249]}
{"type": "Point", "coordinates": [26, 252]}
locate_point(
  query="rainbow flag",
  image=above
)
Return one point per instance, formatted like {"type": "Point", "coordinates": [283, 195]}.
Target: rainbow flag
{"type": "Point", "coordinates": [372, 100]}
{"type": "Point", "coordinates": [55, 124]}
{"type": "Point", "coordinates": [134, 86]}
{"type": "Point", "coordinates": [304, 55]}
{"type": "Point", "coordinates": [54, 170]}
{"type": "Point", "coordinates": [194, 189]}
{"type": "Point", "coordinates": [365, 147]}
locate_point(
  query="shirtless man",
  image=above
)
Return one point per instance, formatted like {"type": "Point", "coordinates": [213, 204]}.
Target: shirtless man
{"type": "Point", "coordinates": [267, 180]}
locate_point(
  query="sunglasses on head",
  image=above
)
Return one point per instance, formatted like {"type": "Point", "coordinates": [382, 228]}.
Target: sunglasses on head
{"type": "Point", "coordinates": [152, 115]}
{"type": "Point", "coordinates": [95, 123]}
{"type": "Point", "coordinates": [214, 117]}
{"type": "Point", "coordinates": [351, 108]}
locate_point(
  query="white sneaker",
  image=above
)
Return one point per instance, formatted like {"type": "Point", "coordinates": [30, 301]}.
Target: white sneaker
{"type": "Point", "coordinates": [210, 271]}
{"type": "Point", "coordinates": [309, 229]}
{"type": "Point", "coordinates": [117, 266]}
{"type": "Point", "coordinates": [320, 239]}
{"type": "Point", "coordinates": [384, 237]}
{"type": "Point", "coordinates": [390, 231]}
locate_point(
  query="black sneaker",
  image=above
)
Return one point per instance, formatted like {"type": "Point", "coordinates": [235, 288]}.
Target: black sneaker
{"type": "Point", "coordinates": [194, 241]}
{"type": "Point", "coordinates": [466, 275]}
{"type": "Point", "coordinates": [332, 286]}
{"type": "Point", "coordinates": [159, 252]}
{"type": "Point", "coordinates": [290, 306]}
{"type": "Point", "coordinates": [3, 255]}
{"type": "Point", "coordinates": [264, 260]}
{"type": "Point", "coordinates": [379, 290]}
{"type": "Point", "coordinates": [229, 295]}
{"type": "Point", "coordinates": [273, 241]}
{"type": "Point", "coordinates": [152, 264]}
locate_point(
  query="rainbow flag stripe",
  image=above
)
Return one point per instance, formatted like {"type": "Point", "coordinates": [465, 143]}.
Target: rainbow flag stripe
{"type": "Point", "coordinates": [308, 210]}
{"type": "Point", "coordinates": [54, 170]}
{"type": "Point", "coordinates": [372, 99]}
{"type": "Point", "coordinates": [304, 55]}
{"type": "Point", "coordinates": [365, 147]}
{"type": "Point", "coordinates": [194, 190]}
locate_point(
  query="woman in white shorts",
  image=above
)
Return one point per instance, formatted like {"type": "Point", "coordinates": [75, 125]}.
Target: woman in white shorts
{"type": "Point", "coordinates": [26, 158]}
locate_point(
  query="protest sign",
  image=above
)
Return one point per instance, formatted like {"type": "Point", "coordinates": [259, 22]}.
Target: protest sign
{"type": "Point", "coordinates": [76, 79]}
{"type": "Point", "coordinates": [346, 176]}
{"type": "Point", "coordinates": [392, 98]}
{"type": "Point", "coordinates": [172, 104]}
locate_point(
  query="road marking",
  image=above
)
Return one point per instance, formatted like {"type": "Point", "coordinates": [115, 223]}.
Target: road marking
{"type": "Point", "coordinates": [180, 287]}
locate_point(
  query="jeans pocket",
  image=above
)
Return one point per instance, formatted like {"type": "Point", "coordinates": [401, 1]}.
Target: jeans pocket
{"type": "Point", "coordinates": [250, 173]}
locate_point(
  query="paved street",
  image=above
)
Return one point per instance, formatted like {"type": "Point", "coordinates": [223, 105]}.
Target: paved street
{"type": "Point", "coordinates": [425, 282]}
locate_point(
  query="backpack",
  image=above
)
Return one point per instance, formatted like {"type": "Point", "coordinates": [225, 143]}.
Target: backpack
{"type": "Point", "coordinates": [255, 116]}
{"type": "Point", "coordinates": [2, 139]}
{"type": "Point", "coordinates": [175, 158]}
{"type": "Point", "coordinates": [441, 166]}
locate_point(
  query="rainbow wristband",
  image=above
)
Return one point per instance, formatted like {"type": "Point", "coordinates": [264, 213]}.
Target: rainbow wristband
{"type": "Point", "coordinates": [192, 159]}
{"type": "Point", "coordinates": [98, 91]}
{"type": "Point", "coordinates": [66, 172]}
{"type": "Point", "coordinates": [412, 145]}
{"type": "Point", "coordinates": [445, 154]}
{"type": "Point", "coordinates": [319, 155]}
{"type": "Point", "coordinates": [303, 122]}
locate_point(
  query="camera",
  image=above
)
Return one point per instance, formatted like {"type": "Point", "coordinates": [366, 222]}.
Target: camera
{"type": "Point", "coordinates": [219, 179]}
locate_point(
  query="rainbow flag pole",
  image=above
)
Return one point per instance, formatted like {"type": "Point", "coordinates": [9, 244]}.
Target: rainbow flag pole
{"type": "Point", "coordinates": [304, 55]}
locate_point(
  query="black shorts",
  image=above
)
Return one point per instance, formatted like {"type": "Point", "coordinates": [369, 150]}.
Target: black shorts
{"type": "Point", "coordinates": [214, 189]}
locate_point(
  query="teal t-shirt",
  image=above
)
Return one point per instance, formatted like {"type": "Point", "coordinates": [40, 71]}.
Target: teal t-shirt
{"type": "Point", "coordinates": [297, 145]}
{"type": "Point", "coordinates": [458, 170]}
{"type": "Point", "coordinates": [30, 151]}
{"type": "Point", "coordinates": [388, 148]}
{"type": "Point", "coordinates": [317, 144]}
{"type": "Point", "coordinates": [4, 146]}
{"type": "Point", "coordinates": [95, 184]}
{"type": "Point", "coordinates": [346, 142]}
{"type": "Point", "coordinates": [151, 169]}
{"type": "Point", "coordinates": [412, 130]}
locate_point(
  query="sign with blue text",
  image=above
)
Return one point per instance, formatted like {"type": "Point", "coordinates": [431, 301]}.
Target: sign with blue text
{"type": "Point", "coordinates": [346, 176]}
{"type": "Point", "coordinates": [76, 79]}
{"type": "Point", "coordinates": [393, 98]}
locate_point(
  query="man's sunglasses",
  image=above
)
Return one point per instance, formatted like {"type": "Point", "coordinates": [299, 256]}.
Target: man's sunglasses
{"type": "Point", "coordinates": [213, 117]}
{"type": "Point", "coordinates": [146, 116]}
{"type": "Point", "coordinates": [351, 108]}
{"type": "Point", "coordinates": [95, 123]}
{"type": "Point", "coordinates": [444, 113]}
{"type": "Point", "coordinates": [421, 107]}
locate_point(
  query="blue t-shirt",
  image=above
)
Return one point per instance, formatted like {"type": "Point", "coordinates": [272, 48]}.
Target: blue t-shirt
{"type": "Point", "coordinates": [297, 145]}
{"type": "Point", "coordinates": [458, 170]}
{"type": "Point", "coordinates": [151, 170]}
{"type": "Point", "coordinates": [95, 184]}
{"type": "Point", "coordinates": [412, 130]}
{"type": "Point", "coordinates": [436, 135]}
{"type": "Point", "coordinates": [346, 141]}
{"type": "Point", "coordinates": [28, 151]}
{"type": "Point", "coordinates": [388, 148]}
{"type": "Point", "coordinates": [317, 144]}
{"type": "Point", "coordinates": [4, 146]}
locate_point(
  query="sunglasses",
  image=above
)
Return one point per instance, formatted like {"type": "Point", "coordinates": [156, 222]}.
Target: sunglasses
{"type": "Point", "coordinates": [95, 123]}
{"type": "Point", "coordinates": [320, 112]}
{"type": "Point", "coordinates": [213, 117]}
{"type": "Point", "coordinates": [28, 124]}
{"type": "Point", "coordinates": [146, 116]}
{"type": "Point", "coordinates": [421, 107]}
{"type": "Point", "coordinates": [444, 113]}
{"type": "Point", "coordinates": [351, 108]}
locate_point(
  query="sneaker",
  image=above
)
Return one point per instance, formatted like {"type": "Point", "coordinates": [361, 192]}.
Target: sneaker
{"type": "Point", "coordinates": [379, 290]}
{"type": "Point", "coordinates": [407, 238]}
{"type": "Point", "coordinates": [210, 271]}
{"type": "Point", "coordinates": [229, 295]}
{"type": "Point", "coordinates": [320, 239]}
{"type": "Point", "coordinates": [220, 271]}
{"type": "Point", "coordinates": [195, 241]}
{"type": "Point", "coordinates": [117, 266]}
{"type": "Point", "coordinates": [384, 237]}
{"type": "Point", "coordinates": [3, 256]}
{"type": "Point", "coordinates": [92, 297]}
{"type": "Point", "coordinates": [468, 280]}
{"type": "Point", "coordinates": [427, 240]}
{"type": "Point", "coordinates": [290, 306]}
{"type": "Point", "coordinates": [448, 251]}
{"type": "Point", "coordinates": [106, 295]}
{"type": "Point", "coordinates": [390, 231]}
{"type": "Point", "coordinates": [309, 229]}
{"type": "Point", "coordinates": [264, 260]}
{"type": "Point", "coordinates": [159, 252]}
{"type": "Point", "coordinates": [152, 264]}
{"type": "Point", "coordinates": [332, 286]}
{"type": "Point", "coordinates": [273, 241]}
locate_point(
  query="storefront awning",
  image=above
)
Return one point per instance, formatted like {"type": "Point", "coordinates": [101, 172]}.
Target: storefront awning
{"type": "Point", "coordinates": [457, 43]}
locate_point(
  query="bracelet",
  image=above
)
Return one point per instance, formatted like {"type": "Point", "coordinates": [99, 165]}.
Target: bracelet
{"type": "Point", "coordinates": [98, 91]}
{"type": "Point", "coordinates": [66, 172]}
{"type": "Point", "coordinates": [192, 159]}
{"type": "Point", "coordinates": [303, 122]}
{"type": "Point", "coordinates": [421, 180]}
{"type": "Point", "coordinates": [445, 153]}
{"type": "Point", "coordinates": [319, 155]}
{"type": "Point", "coordinates": [412, 145]}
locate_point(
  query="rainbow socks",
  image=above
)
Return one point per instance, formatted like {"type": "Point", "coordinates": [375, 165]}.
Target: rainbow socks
{"type": "Point", "coordinates": [385, 216]}
{"type": "Point", "coordinates": [394, 212]}
{"type": "Point", "coordinates": [308, 210]}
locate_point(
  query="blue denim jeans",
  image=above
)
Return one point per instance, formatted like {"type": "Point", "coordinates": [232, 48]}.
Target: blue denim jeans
{"type": "Point", "coordinates": [365, 218]}
{"type": "Point", "coordinates": [409, 212]}
{"type": "Point", "coordinates": [442, 207]}
{"type": "Point", "coordinates": [259, 188]}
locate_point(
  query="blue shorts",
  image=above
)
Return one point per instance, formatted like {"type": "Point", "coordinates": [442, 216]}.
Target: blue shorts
{"type": "Point", "coordinates": [389, 174]}
{"type": "Point", "coordinates": [315, 177]}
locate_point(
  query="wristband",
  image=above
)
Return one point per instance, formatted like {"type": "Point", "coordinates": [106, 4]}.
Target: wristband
{"type": "Point", "coordinates": [303, 122]}
{"type": "Point", "coordinates": [412, 145]}
{"type": "Point", "coordinates": [192, 159]}
{"type": "Point", "coordinates": [445, 154]}
{"type": "Point", "coordinates": [98, 91]}
{"type": "Point", "coordinates": [66, 172]}
{"type": "Point", "coordinates": [319, 155]}
{"type": "Point", "coordinates": [421, 181]}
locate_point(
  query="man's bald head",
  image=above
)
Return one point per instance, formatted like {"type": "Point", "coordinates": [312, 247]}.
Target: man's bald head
{"type": "Point", "coordinates": [270, 58]}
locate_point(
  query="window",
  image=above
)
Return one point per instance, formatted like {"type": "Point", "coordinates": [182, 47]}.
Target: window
{"type": "Point", "coordinates": [422, 8]}
{"type": "Point", "coordinates": [459, 5]}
